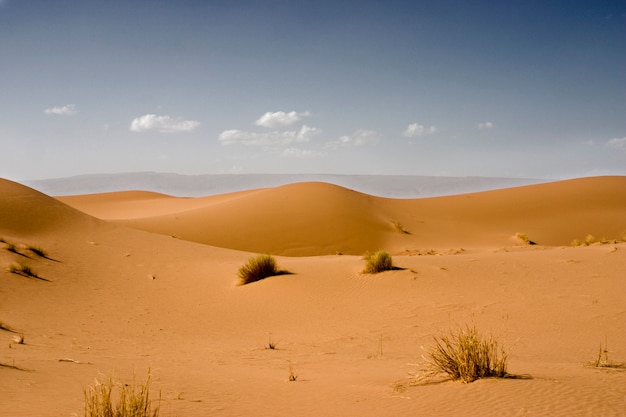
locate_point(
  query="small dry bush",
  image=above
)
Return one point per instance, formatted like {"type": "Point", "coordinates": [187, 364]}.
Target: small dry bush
{"type": "Point", "coordinates": [11, 247]}
{"type": "Point", "coordinates": [400, 227]}
{"type": "Point", "coordinates": [377, 262]}
{"type": "Point", "coordinates": [21, 269]}
{"type": "Point", "coordinates": [468, 356]}
{"type": "Point", "coordinates": [603, 361]}
{"type": "Point", "coordinates": [6, 327]}
{"type": "Point", "coordinates": [37, 250]}
{"type": "Point", "coordinates": [108, 399]}
{"type": "Point", "coordinates": [524, 238]}
{"type": "Point", "coordinates": [258, 268]}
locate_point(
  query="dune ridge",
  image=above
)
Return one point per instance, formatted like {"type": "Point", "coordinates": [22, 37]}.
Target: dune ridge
{"type": "Point", "coordinates": [307, 219]}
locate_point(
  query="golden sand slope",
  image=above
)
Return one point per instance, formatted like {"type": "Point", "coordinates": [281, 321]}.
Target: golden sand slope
{"type": "Point", "coordinates": [307, 219]}
{"type": "Point", "coordinates": [120, 300]}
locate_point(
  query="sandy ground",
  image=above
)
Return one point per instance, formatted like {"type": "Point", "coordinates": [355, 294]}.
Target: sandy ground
{"type": "Point", "coordinates": [162, 295]}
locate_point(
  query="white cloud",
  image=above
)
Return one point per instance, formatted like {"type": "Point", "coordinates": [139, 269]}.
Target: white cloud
{"type": "Point", "coordinates": [164, 124]}
{"type": "Point", "coordinates": [617, 143]}
{"type": "Point", "coordinates": [242, 137]}
{"type": "Point", "coordinates": [359, 138]}
{"type": "Point", "coordinates": [485, 125]}
{"type": "Point", "coordinates": [280, 119]}
{"type": "Point", "coordinates": [416, 129]}
{"type": "Point", "coordinates": [67, 110]}
{"type": "Point", "coordinates": [299, 153]}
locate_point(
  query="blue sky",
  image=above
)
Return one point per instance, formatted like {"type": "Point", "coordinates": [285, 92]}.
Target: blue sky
{"type": "Point", "coordinates": [457, 88]}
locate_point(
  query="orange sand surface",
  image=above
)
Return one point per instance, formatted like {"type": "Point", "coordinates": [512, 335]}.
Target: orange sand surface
{"type": "Point", "coordinates": [162, 295]}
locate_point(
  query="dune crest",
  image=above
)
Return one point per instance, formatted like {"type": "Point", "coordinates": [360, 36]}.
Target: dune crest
{"type": "Point", "coordinates": [25, 211]}
{"type": "Point", "coordinates": [306, 219]}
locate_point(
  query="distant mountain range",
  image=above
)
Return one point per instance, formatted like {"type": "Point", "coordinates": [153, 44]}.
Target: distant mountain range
{"type": "Point", "coordinates": [394, 186]}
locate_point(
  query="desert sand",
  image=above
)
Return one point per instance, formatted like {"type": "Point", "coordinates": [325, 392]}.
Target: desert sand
{"type": "Point", "coordinates": [138, 281]}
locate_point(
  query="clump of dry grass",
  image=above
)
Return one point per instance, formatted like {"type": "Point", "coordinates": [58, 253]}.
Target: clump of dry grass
{"type": "Point", "coordinates": [6, 327]}
{"type": "Point", "coordinates": [11, 247]}
{"type": "Point", "coordinates": [468, 356]}
{"type": "Point", "coordinates": [591, 239]}
{"type": "Point", "coordinates": [22, 269]}
{"type": "Point", "coordinates": [524, 238]}
{"type": "Point", "coordinates": [293, 377]}
{"type": "Point", "coordinates": [130, 400]}
{"type": "Point", "coordinates": [377, 262]}
{"type": "Point", "coordinates": [603, 361]}
{"type": "Point", "coordinates": [400, 227]}
{"type": "Point", "coordinates": [37, 250]}
{"type": "Point", "coordinates": [258, 268]}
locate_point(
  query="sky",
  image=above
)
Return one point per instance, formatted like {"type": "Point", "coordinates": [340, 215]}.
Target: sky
{"type": "Point", "coordinates": [526, 89]}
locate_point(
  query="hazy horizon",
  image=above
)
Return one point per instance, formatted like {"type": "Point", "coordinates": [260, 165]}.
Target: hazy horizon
{"type": "Point", "coordinates": [512, 89]}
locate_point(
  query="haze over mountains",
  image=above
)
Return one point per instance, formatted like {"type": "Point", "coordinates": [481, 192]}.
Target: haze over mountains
{"type": "Point", "coordinates": [395, 186]}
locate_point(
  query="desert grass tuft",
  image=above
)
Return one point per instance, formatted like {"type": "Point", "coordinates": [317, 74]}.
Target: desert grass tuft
{"type": "Point", "coordinates": [25, 271]}
{"type": "Point", "coordinates": [11, 247]}
{"type": "Point", "coordinates": [22, 269]}
{"type": "Point", "coordinates": [377, 262]}
{"type": "Point", "coordinates": [590, 240]}
{"type": "Point", "coordinates": [271, 345]}
{"type": "Point", "coordinates": [108, 399]}
{"type": "Point", "coordinates": [466, 355]}
{"type": "Point", "coordinates": [524, 238]}
{"type": "Point", "coordinates": [603, 361]}
{"type": "Point", "coordinates": [37, 250]}
{"type": "Point", "coordinates": [258, 268]}
{"type": "Point", "coordinates": [6, 327]}
{"type": "Point", "coordinates": [400, 227]}
{"type": "Point", "coordinates": [292, 374]}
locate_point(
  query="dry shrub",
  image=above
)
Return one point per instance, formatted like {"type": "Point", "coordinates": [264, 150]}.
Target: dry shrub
{"type": "Point", "coordinates": [258, 268]}
{"type": "Point", "coordinates": [524, 238]}
{"type": "Point", "coordinates": [590, 240]}
{"type": "Point", "coordinates": [21, 269]}
{"type": "Point", "coordinates": [37, 250]}
{"type": "Point", "coordinates": [4, 326]}
{"type": "Point", "coordinates": [130, 400]}
{"type": "Point", "coordinates": [377, 262]}
{"type": "Point", "coordinates": [468, 356]}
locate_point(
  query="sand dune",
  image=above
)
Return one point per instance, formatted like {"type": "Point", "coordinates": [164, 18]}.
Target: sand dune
{"type": "Point", "coordinates": [120, 300]}
{"type": "Point", "coordinates": [308, 219]}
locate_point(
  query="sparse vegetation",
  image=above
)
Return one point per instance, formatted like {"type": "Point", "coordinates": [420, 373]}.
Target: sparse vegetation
{"type": "Point", "coordinates": [292, 374]}
{"type": "Point", "coordinates": [271, 345]}
{"type": "Point", "coordinates": [468, 356]}
{"type": "Point", "coordinates": [591, 239]}
{"type": "Point", "coordinates": [25, 271]}
{"type": "Point", "coordinates": [132, 400]}
{"type": "Point", "coordinates": [399, 227]}
{"type": "Point", "coordinates": [603, 361]}
{"type": "Point", "coordinates": [6, 327]}
{"type": "Point", "coordinates": [524, 238]}
{"type": "Point", "coordinates": [258, 268]}
{"type": "Point", "coordinates": [377, 262]}
{"type": "Point", "coordinates": [11, 247]}
{"type": "Point", "coordinates": [37, 250]}
{"type": "Point", "coordinates": [22, 269]}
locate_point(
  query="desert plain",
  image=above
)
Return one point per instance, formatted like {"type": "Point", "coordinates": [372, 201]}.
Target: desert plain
{"type": "Point", "coordinates": [135, 282]}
